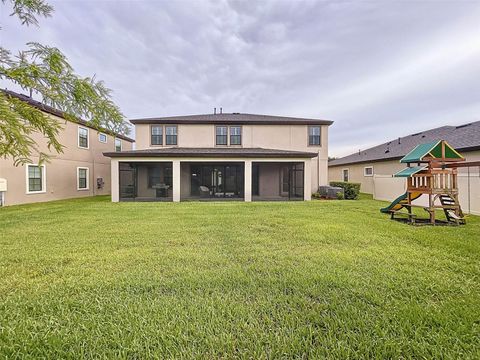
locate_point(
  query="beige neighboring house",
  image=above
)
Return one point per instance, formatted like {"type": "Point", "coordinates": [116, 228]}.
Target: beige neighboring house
{"type": "Point", "coordinates": [373, 168]}
{"type": "Point", "coordinates": [81, 170]}
{"type": "Point", "coordinates": [222, 157]}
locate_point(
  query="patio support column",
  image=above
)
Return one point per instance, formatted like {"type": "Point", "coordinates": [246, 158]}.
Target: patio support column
{"type": "Point", "coordinates": [248, 180]}
{"type": "Point", "coordinates": [114, 180]}
{"type": "Point", "coordinates": [176, 180]}
{"type": "Point", "coordinates": [307, 180]}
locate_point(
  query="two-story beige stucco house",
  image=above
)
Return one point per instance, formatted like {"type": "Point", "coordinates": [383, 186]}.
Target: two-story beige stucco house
{"type": "Point", "coordinates": [81, 170]}
{"type": "Point", "coordinates": [222, 156]}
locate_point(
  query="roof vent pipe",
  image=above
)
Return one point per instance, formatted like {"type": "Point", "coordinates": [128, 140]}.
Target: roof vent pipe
{"type": "Point", "coordinates": [214, 111]}
{"type": "Point", "coordinates": [221, 110]}
{"type": "Point", "coordinates": [399, 141]}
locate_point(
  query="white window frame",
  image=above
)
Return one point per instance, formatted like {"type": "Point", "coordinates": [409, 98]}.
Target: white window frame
{"type": "Point", "coordinates": [230, 135]}
{"type": "Point", "coordinates": [120, 141]}
{"type": "Point", "coordinates": [44, 179]}
{"type": "Point", "coordinates": [162, 136]}
{"type": "Point", "coordinates": [226, 135]}
{"type": "Point", "coordinates": [365, 171]}
{"type": "Point", "coordinates": [88, 137]}
{"type": "Point", "coordinates": [78, 178]}
{"type": "Point", "coordinates": [102, 134]}
{"type": "Point", "coordinates": [319, 135]}
{"type": "Point", "coordinates": [348, 174]}
{"type": "Point", "coordinates": [166, 134]}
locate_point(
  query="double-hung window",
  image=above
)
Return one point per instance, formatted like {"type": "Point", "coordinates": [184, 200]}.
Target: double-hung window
{"type": "Point", "coordinates": [156, 134]}
{"type": "Point", "coordinates": [221, 135]}
{"type": "Point", "coordinates": [102, 138]}
{"type": "Point", "coordinates": [82, 137]}
{"type": "Point", "coordinates": [345, 175]}
{"type": "Point", "coordinates": [235, 135]}
{"type": "Point", "coordinates": [82, 178]}
{"type": "Point", "coordinates": [171, 135]}
{"type": "Point", "coordinates": [35, 179]}
{"type": "Point", "coordinates": [118, 145]}
{"type": "Point", "coordinates": [314, 135]}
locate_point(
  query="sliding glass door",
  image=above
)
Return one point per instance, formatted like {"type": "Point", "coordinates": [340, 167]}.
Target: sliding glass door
{"type": "Point", "coordinates": [217, 180]}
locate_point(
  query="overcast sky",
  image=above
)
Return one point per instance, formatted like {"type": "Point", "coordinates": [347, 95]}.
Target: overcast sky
{"type": "Point", "coordinates": [379, 69]}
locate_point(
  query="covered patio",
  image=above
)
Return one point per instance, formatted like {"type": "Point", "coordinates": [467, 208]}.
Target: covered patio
{"type": "Point", "coordinates": [145, 181]}
{"type": "Point", "coordinates": [219, 174]}
{"type": "Point", "coordinates": [272, 181]}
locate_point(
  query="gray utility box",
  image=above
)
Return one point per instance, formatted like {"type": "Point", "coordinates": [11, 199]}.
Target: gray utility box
{"type": "Point", "coordinates": [330, 192]}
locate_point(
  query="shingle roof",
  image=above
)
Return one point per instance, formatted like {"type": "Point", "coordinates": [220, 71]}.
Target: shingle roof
{"type": "Point", "coordinates": [233, 118]}
{"type": "Point", "coordinates": [462, 138]}
{"type": "Point", "coordinates": [51, 110]}
{"type": "Point", "coordinates": [212, 152]}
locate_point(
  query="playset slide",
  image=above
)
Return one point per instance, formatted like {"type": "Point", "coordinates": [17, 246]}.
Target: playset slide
{"type": "Point", "coordinates": [399, 202]}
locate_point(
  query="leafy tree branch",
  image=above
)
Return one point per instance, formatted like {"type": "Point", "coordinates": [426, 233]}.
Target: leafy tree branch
{"type": "Point", "coordinates": [45, 71]}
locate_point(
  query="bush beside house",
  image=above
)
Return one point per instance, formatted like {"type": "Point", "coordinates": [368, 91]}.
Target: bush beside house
{"type": "Point", "coordinates": [351, 190]}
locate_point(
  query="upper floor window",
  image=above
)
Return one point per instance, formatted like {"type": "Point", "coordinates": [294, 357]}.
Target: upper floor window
{"type": "Point", "coordinates": [156, 134]}
{"type": "Point", "coordinates": [368, 171]}
{"type": "Point", "coordinates": [235, 135]}
{"type": "Point", "coordinates": [221, 135]}
{"type": "Point", "coordinates": [118, 145]}
{"type": "Point", "coordinates": [171, 135]}
{"type": "Point", "coordinates": [35, 179]}
{"type": "Point", "coordinates": [83, 137]}
{"type": "Point", "coordinates": [314, 135]}
{"type": "Point", "coordinates": [102, 138]}
{"type": "Point", "coordinates": [82, 178]}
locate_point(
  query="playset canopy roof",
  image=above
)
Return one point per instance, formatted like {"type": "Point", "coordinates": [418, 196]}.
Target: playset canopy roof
{"type": "Point", "coordinates": [409, 171]}
{"type": "Point", "coordinates": [436, 149]}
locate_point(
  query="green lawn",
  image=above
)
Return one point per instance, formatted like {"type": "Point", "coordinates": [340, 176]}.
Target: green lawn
{"type": "Point", "coordinates": [85, 278]}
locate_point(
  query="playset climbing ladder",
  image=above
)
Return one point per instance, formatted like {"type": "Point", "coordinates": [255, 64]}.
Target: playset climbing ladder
{"type": "Point", "coordinates": [431, 171]}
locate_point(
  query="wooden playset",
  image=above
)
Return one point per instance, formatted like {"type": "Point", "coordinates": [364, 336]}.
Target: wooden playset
{"type": "Point", "coordinates": [431, 171]}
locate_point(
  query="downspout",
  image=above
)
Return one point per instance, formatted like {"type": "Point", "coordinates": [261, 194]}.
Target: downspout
{"type": "Point", "coordinates": [94, 185]}
{"type": "Point", "coordinates": [318, 171]}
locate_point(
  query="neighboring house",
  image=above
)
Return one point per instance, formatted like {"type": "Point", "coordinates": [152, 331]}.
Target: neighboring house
{"type": "Point", "coordinates": [373, 168]}
{"type": "Point", "coordinates": [384, 159]}
{"type": "Point", "coordinates": [222, 156]}
{"type": "Point", "coordinates": [81, 170]}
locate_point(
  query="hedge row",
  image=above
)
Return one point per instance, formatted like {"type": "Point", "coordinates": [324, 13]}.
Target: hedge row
{"type": "Point", "coordinates": [351, 190]}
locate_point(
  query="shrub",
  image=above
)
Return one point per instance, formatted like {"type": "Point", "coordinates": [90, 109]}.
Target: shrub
{"type": "Point", "coordinates": [340, 196]}
{"type": "Point", "coordinates": [316, 195]}
{"type": "Point", "coordinates": [351, 190]}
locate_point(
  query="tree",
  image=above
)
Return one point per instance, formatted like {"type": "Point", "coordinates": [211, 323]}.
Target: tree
{"type": "Point", "coordinates": [45, 71]}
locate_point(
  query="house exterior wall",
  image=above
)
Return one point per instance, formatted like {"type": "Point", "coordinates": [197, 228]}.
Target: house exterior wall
{"type": "Point", "coordinates": [61, 171]}
{"type": "Point", "coordinates": [356, 173]}
{"type": "Point", "coordinates": [283, 137]}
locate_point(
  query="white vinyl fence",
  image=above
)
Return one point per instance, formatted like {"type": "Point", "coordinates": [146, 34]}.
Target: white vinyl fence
{"type": "Point", "coordinates": [388, 188]}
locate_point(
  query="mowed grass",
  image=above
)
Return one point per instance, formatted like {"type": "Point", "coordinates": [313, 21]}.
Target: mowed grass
{"type": "Point", "coordinates": [89, 278]}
